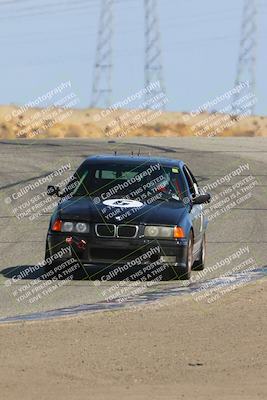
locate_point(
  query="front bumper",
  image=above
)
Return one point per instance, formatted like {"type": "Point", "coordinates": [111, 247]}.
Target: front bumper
{"type": "Point", "coordinates": [114, 251]}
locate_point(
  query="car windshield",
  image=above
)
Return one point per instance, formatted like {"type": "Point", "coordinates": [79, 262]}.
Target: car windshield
{"type": "Point", "coordinates": [139, 182]}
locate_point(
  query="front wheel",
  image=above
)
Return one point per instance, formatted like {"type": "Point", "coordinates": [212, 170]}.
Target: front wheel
{"type": "Point", "coordinates": [184, 273]}
{"type": "Point", "coordinates": [200, 263]}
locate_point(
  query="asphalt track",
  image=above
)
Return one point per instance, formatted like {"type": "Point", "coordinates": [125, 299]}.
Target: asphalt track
{"type": "Point", "coordinates": [22, 240]}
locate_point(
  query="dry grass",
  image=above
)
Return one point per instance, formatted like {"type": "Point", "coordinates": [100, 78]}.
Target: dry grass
{"type": "Point", "coordinates": [38, 123]}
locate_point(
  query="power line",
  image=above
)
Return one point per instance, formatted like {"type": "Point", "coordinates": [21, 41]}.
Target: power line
{"type": "Point", "coordinates": [82, 5]}
{"type": "Point", "coordinates": [49, 12]}
{"type": "Point", "coordinates": [40, 6]}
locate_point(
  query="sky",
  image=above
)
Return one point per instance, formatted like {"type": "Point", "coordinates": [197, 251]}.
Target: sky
{"type": "Point", "coordinates": [46, 42]}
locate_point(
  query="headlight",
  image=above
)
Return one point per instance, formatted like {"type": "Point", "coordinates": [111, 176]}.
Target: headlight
{"type": "Point", "coordinates": [159, 231]}
{"type": "Point", "coordinates": [67, 227]}
{"type": "Point", "coordinates": [165, 232]}
{"type": "Point", "coordinates": [80, 227]}
{"type": "Point", "coordinates": [152, 231]}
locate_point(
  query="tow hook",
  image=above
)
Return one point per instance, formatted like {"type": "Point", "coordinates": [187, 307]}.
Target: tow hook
{"type": "Point", "coordinates": [81, 244]}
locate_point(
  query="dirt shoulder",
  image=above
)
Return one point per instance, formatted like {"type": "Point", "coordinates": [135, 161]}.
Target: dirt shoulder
{"type": "Point", "coordinates": [177, 350]}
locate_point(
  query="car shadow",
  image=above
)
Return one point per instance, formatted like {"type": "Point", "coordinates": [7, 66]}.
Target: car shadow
{"type": "Point", "coordinates": [30, 272]}
{"type": "Point", "coordinates": [21, 272]}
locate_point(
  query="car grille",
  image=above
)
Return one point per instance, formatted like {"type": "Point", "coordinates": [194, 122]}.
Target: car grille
{"type": "Point", "coordinates": [127, 231]}
{"type": "Point", "coordinates": [120, 231]}
{"type": "Point", "coordinates": [105, 230]}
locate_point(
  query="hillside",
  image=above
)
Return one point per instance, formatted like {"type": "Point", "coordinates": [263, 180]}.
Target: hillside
{"type": "Point", "coordinates": [95, 123]}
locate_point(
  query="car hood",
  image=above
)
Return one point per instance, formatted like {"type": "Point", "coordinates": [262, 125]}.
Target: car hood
{"type": "Point", "coordinates": [83, 209]}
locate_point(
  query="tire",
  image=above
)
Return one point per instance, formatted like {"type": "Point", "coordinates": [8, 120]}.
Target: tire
{"type": "Point", "coordinates": [47, 267]}
{"type": "Point", "coordinates": [199, 265]}
{"type": "Point", "coordinates": [46, 250]}
{"type": "Point", "coordinates": [185, 273]}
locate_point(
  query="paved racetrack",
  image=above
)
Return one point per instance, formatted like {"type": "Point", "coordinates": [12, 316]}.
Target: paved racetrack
{"type": "Point", "coordinates": [243, 226]}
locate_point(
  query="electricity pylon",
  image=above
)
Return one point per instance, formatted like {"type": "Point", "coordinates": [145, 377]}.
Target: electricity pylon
{"type": "Point", "coordinates": [102, 79]}
{"type": "Point", "coordinates": [153, 56]}
{"type": "Point", "coordinates": [246, 68]}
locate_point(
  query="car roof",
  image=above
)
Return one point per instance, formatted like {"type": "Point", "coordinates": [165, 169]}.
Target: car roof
{"type": "Point", "coordinates": [106, 159]}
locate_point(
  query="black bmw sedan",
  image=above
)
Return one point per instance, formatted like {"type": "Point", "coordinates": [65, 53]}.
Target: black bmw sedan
{"type": "Point", "coordinates": [117, 210]}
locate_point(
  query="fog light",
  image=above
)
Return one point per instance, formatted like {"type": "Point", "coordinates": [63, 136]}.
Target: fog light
{"type": "Point", "coordinates": [168, 259]}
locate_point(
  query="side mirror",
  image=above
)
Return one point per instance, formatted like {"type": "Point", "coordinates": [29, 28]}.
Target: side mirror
{"type": "Point", "coordinates": [53, 191]}
{"type": "Point", "coordinates": [201, 199]}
